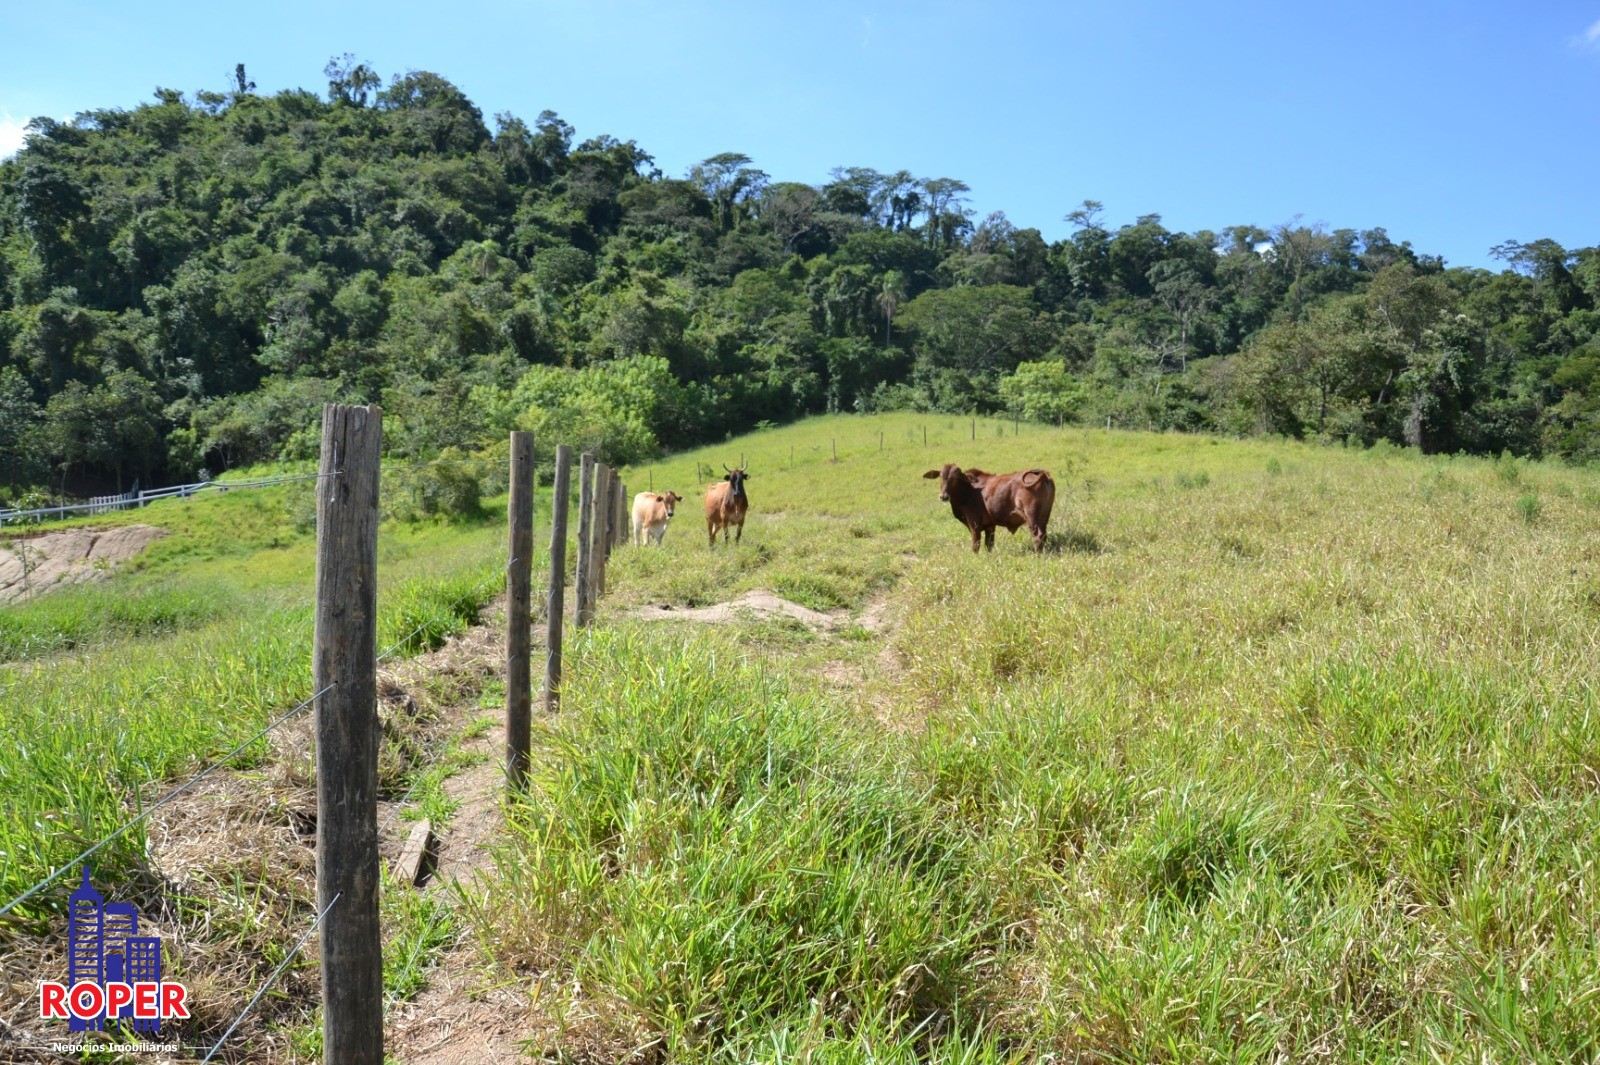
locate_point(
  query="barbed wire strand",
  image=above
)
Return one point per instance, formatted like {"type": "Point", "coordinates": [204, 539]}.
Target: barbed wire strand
{"type": "Point", "coordinates": [168, 797]}
{"type": "Point", "coordinates": [208, 770]}
{"type": "Point", "coordinates": [214, 766]}
{"type": "Point", "coordinates": [271, 979]}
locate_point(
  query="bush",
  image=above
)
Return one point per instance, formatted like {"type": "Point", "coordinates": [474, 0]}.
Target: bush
{"type": "Point", "coordinates": [623, 410]}
{"type": "Point", "coordinates": [1043, 391]}
{"type": "Point", "coordinates": [447, 489]}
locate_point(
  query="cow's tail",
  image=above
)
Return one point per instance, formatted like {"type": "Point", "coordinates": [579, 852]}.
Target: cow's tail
{"type": "Point", "coordinates": [1034, 478]}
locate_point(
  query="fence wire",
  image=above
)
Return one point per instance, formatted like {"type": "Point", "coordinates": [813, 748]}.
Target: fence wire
{"type": "Point", "coordinates": [168, 797]}
{"type": "Point", "coordinates": [539, 613]}
{"type": "Point", "coordinates": [225, 759]}
{"type": "Point", "coordinates": [271, 980]}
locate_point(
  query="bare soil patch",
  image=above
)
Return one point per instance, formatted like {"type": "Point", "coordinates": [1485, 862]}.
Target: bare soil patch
{"type": "Point", "coordinates": [756, 605]}
{"type": "Point", "coordinates": [31, 566]}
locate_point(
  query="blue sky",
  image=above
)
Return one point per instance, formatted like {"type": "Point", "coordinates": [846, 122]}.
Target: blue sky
{"type": "Point", "coordinates": [1454, 125]}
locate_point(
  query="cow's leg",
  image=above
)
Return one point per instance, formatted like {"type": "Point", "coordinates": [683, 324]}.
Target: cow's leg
{"type": "Point", "coordinates": [740, 534]}
{"type": "Point", "coordinates": [988, 538]}
{"type": "Point", "coordinates": [1038, 538]}
{"type": "Point", "coordinates": [977, 538]}
{"type": "Point", "coordinates": [713, 529]}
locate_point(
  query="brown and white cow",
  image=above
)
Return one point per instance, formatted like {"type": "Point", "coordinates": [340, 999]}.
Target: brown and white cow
{"type": "Point", "coordinates": [651, 512]}
{"type": "Point", "coordinates": [983, 501]}
{"type": "Point", "coordinates": [726, 505]}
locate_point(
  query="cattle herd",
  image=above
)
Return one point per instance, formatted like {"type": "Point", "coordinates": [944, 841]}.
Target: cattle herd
{"type": "Point", "coordinates": [980, 500]}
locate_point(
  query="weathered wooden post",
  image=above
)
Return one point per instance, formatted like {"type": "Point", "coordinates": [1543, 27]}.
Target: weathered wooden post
{"type": "Point", "coordinates": [620, 530]}
{"type": "Point", "coordinates": [615, 510]}
{"type": "Point", "coordinates": [519, 596]}
{"type": "Point", "coordinates": [613, 488]}
{"type": "Point", "coordinates": [600, 499]}
{"type": "Point", "coordinates": [344, 669]}
{"type": "Point", "coordinates": [559, 497]}
{"type": "Point", "coordinates": [583, 585]}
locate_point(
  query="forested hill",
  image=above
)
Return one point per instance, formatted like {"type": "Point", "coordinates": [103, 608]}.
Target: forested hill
{"type": "Point", "coordinates": [182, 284]}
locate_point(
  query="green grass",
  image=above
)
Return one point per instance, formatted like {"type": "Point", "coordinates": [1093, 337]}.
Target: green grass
{"type": "Point", "coordinates": [1279, 753]}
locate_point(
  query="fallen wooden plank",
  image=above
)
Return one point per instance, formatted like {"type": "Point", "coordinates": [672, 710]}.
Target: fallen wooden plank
{"type": "Point", "coordinates": [413, 863]}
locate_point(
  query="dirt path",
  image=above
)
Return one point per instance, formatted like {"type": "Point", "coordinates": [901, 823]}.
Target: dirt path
{"type": "Point", "coordinates": [462, 1016]}
{"type": "Point", "coordinates": [467, 1013]}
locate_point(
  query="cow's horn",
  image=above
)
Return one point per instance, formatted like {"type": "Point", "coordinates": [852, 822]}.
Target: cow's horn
{"type": "Point", "coordinates": [725, 467]}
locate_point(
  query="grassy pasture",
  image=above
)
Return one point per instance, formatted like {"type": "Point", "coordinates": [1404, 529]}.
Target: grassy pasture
{"type": "Point", "coordinates": [1281, 753]}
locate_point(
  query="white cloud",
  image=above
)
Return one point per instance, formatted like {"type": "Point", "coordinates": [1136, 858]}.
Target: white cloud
{"type": "Point", "coordinates": [11, 133]}
{"type": "Point", "coordinates": [1589, 38]}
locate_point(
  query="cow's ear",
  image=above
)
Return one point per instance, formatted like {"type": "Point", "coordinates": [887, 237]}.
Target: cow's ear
{"type": "Point", "coordinates": [747, 477]}
{"type": "Point", "coordinates": [931, 475]}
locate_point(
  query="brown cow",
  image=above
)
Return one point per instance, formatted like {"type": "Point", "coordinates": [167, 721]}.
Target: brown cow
{"type": "Point", "coordinates": [726, 504]}
{"type": "Point", "coordinates": [651, 512]}
{"type": "Point", "coordinates": [981, 501]}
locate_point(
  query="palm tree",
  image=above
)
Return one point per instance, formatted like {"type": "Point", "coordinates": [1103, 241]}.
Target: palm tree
{"type": "Point", "coordinates": [891, 293]}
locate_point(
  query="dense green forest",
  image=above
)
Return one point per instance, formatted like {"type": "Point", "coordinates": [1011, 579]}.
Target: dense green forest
{"type": "Point", "coordinates": [182, 284]}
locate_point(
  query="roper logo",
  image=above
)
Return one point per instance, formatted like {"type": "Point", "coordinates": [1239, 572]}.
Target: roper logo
{"type": "Point", "coordinates": [113, 973]}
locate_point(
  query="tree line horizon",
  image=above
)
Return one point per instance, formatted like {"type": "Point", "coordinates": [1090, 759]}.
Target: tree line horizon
{"type": "Point", "coordinates": [183, 284]}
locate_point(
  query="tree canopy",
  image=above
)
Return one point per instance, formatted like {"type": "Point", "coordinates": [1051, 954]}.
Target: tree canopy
{"type": "Point", "coordinates": [182, 283]}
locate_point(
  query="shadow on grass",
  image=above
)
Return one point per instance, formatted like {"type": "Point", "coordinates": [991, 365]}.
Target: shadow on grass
{"type": "Point", "coordinates": [1073, 542]}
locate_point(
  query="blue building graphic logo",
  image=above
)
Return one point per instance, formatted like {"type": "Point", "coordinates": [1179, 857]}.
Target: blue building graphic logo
{"type": "Point", "coordinates": [113, 973]}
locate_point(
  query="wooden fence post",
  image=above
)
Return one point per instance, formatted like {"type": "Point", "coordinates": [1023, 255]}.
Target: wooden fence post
{"type": "Point", "coordinates": [559, 496]}
{"type": "Point", "coordinates": [600, 499]}
{"type": "Point", "coordinates": [618, 513]}
{"type": "Point", "coordinates": [519, 595]}
{"type": "Point", "coordinates": [584, 585]}
{"type": "Point", "coordinates": [611, 512]}
{"type": "Point", "coordinates": [344, 662]}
